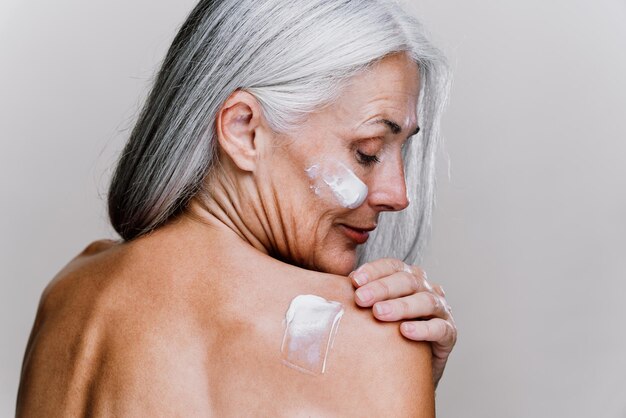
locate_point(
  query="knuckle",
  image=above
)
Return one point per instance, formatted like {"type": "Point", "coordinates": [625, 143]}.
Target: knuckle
{"type": "Point", "coordinates": [382, 289]}
{"type": "Point", "coordinates": [450, 332]}
{"type": "Point", "coordinates": [437, 288]}
{"type": "Point", "coordinates": [414, 283]}
{"type": "Point", "coordinates": [408, 268]}
{"type": "Point", "coordinates": [395, 264]}
{"type": "Point", "coordinates": [372, 269]}
{"type": "Point", "coordinates": [436, 330]}
{"type": "Point", "coordinates": [443, 331]}
{"type": "Point", "coordinates": [428, 328]}
{"type": "Point", "coordinates": [405, 307]}
{"type": "Point", "coordinates": [451, 321]}
{"type": "Point", "coordinates": [419, 272]}
{"type": "Point", "coordinates": [434, 301]}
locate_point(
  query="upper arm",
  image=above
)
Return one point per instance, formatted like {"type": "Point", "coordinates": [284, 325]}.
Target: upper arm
{"type": "Point", "coordinates": [404, 377]}
{"type": "Point", "coordinates": [378, 368]}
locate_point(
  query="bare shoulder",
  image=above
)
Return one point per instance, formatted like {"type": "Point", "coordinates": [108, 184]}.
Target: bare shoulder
{"type": "Point", "coordinates": [158, 329]}
{"type": "Point", "coordinates": [108, 327]}
{"type": "Point", "coordinates": [369, 368]}
{"type": "Point", "coordinates": [372, 359]}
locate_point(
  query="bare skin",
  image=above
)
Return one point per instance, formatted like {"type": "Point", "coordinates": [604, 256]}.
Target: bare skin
{"type": "Point", "coordinates": [187, 321]}
{"type": "Point", "coordinates": [153, 328]}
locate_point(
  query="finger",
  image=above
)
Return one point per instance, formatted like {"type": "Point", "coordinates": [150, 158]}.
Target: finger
{"type": "Point", "coordinates": [380, 268]}
{"type": "Point", "coordinates": [376, 270]}
{"type": "Point", "coordinates": [390, 287]}
{"type": "Point", "coordinates": [437, 288]}
{"type": "Point", "coordinates": [441, 333]}
{"type": "Point", "coordinates": [436, 330]}
{"type": "Point", "coordinates": [417, 305]}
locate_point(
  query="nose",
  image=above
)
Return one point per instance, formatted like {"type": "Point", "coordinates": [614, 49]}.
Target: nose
{"type": "Point", "coordinates": [387, 188]}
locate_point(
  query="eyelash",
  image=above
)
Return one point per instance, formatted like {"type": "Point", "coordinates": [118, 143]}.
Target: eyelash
{"type": "Point", "coordinates": [366, 159]}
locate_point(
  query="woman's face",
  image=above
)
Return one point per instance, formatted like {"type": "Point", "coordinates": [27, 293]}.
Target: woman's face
{"type": "Point", "coordinates": [330, 180]}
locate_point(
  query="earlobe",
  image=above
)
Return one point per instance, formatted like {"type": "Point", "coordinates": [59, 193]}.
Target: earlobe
{"type": "Point", "coordinates": [237, 124]}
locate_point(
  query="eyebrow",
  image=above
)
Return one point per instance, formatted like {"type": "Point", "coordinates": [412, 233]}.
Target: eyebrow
{"type": "Point", "coordinates": [393, 127]}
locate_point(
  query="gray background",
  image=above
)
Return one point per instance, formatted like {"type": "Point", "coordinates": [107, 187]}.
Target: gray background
{"type": "Point", "coordinates": [529, 230]}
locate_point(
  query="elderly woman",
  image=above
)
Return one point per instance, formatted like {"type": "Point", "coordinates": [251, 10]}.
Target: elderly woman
{"type": "Point", "coordinates": [276, 135]}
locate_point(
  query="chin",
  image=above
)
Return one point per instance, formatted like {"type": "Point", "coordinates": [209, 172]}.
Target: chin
{"type": "Point", "coordinates": [340, 261]}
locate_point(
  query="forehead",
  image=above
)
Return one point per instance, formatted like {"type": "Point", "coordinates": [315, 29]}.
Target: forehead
{"type": "Point", "coordinates": [390, 89]}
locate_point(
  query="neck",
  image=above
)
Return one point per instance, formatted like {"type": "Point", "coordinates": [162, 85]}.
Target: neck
{"type": "Point", "coordinates": [222, 208]}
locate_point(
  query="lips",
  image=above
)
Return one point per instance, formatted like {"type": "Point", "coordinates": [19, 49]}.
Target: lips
{"type": "Point", "coordinates": [357, 234]}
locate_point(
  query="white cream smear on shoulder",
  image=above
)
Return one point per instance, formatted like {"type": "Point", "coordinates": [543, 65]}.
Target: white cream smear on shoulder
{"type": "Point", "coordinates": [347, 188]}
{"type": "Point", "coordinates": [311, 323]}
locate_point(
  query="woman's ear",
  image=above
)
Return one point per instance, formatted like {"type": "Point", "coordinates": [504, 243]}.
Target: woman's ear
{"type": "Point", "coordinates": [238, 124]}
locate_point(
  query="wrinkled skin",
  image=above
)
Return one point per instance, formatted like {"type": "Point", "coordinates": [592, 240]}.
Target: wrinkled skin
{"type": "Point", "coordinates": [184, 321]}
{"type": "Point", "coordinates": [265, 165]}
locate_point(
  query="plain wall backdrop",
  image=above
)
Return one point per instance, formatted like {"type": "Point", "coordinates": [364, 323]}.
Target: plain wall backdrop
{"type": "Point", "coordinates": [529, 232]}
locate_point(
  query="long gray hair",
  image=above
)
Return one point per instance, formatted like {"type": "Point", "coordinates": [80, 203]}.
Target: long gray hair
{"type": "Point", "coordinates": [293, 56]}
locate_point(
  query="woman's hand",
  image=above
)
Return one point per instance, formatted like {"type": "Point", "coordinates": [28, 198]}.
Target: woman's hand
{"type": "Point", "coordinates": [399, 291]}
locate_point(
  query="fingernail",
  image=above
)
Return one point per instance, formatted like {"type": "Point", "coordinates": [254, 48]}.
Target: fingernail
{"type": "Point", "coordinates": [382, 308]}
{"type": "Point", "coordinates": [408, 327]}
{"type": "Point", "coordinates": [442, 291]}
{"type": "Point", "coordinates": [365, 295]}
{"type": "Point", "coordinates": [360, 278]}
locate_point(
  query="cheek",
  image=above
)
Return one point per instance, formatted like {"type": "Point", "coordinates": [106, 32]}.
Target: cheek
{"type": "Point", "coordinates": [308, 218]}
{"type": "Point", "coordinates": [333, 182]}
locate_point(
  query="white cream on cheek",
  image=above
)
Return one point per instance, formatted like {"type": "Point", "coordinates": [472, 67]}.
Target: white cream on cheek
{"type": "Point", "coordinates": [311, 323]}
{"type": "Point", "coordinates": [347, 188]}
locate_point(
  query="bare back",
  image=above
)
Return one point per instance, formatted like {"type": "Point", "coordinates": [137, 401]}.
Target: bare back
{"type": "Point", "coordinates": [178, 323]}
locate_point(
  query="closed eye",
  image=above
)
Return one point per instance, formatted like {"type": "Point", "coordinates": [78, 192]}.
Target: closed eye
{"type": "Point", "coordinates": [366, 159]}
